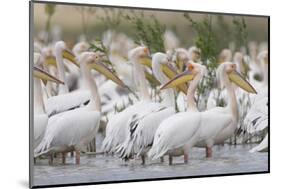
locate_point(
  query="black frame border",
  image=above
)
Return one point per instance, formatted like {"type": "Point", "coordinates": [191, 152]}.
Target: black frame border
{"type": "Point", "coordinates": [31, 113]}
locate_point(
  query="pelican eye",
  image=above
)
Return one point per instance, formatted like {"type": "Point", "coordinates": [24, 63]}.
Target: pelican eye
{"type": "Point", "coordinates": [145, 50]}
{"type": "Point", "coordinates": [190, 67]}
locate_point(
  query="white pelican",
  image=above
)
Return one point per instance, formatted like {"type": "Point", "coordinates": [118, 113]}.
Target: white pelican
{"type": "Point", "coordinates": [257, 117]}
{"type": "Point", "coordinates": [73, 129]}
{"type": "Point", "coordinates": [40, 116]}
{"type": "Point", "coordinates": [143, 124]}
{"type": "Point", "coordinates": [181, 58]}
{"type": "Point", "coordinates": [66, 101]}
{"type": "Point", "coordinates": [171, 41]}
{"type": "Point", "coordinates": [116, 127]}
{"type": "Point", "coordinates": [199, 128]}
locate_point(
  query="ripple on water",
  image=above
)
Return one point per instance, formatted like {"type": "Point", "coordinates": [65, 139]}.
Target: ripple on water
{"type": "Point", "coordinates": [226, 159]}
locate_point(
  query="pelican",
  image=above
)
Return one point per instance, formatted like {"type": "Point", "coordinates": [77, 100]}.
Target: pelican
{"type": "Point", "coordinates": [40, 116]}
{"type": "Point", "coordinates": [73, 129]}
{"type": "Point", "coordinates": [181, 58]}
{"type": "Point", "coordinates": [116, 126]}
{"type": "Point", "coordinates": [143, 124]}
{"type": "Point", "coordinates": [257, 117]}
{"type": "Point", "coordinates": [65, 101]}
{"type": "Point", "coordinates": [199, 128]}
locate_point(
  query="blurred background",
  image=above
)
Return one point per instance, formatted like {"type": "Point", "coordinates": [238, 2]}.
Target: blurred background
{"type": "Point", "coordinates": [75, 23]}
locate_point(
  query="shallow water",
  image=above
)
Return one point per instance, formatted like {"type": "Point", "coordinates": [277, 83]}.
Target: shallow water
{"type": "Point", "coordinates": [226, 159]}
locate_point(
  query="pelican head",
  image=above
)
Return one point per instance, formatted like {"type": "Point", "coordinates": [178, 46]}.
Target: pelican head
{"type": "Point", "coordinates": [238, 58]}
{"type": "Point", "coordinates": [47, 57]}
{"type": "Point", "coordinates": [95, 61]}
{"type": "Point", "coordinates": [181, 58]}
{"type": "Point", "coordinates": [160, 58]}
{"type": "Point", "coordinates": [194, 54]}
{"type": "Point", "coordinates": [140, 54]}
{"type": "Point", "coordinates": [225, 56]}
{"type": "Point", "coordinates": [80, 47]}
{"type": "Point", "coordinates": [41, 74]}
{"type": "Point", "coordinates": [193, 70]}
{"type": "Point", "coordinates": [227, 74]}
{"type": "Point", "coordinates": [263, 57]}
{"type": "Point", "coordinates": [61, 49]}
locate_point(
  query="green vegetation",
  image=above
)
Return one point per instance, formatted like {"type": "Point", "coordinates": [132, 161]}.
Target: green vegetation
{"type": "Point", "coordinates": [207, 41]}
{"type": "Point", "coordinates": [148, 32]}
{"type": "Point", "coordinates": [240, 32]}
{"type": "Point", "coordinates": [50, 10]}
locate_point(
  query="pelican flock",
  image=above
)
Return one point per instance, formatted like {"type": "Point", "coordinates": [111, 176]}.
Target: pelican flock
{"type": "Point", "coordinates": [144, 105]}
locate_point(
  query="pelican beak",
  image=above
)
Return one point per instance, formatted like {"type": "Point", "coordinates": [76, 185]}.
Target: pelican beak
{"type": "Point", "coordinates": [151, 79]}
{"type": "Point", "coordinates": [236, 78]}
{"type": "Point", "coordinates": [67, 54]}
{"type": "Point", "coordinates": [179, 79]}
{"type": "Point", "coordinates": [50, 60]}
{"type": "Point", "coordinates": [171, 73]}
{"type": "Point", "coordinates": [101, 68]}
{"type": "Point", "coordinates": [146, 61]}
{"type": "Point", "coordinates": [40, 74]}
{"type": "Point", "coordinates": [180, 64]}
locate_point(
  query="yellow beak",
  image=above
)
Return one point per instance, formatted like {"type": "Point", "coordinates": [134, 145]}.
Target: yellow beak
{"type": "Point", "coordinates": [101, 68]}
{"type": "Point", "coordinates": [50, 60]}
{"type": "Point", "coordinates": [236, 78]}
{"type": "Point", "coordinates": [179, 79]}
{"type": "Point", "coordinates": [40, 74]}
{"type": "Point", "coordinates": [152, 80]}
{"type": "Point", "coordinates": [69, 56]}
{"type": "Point", "coordinates": [171, 73]}
{"type": "Point", "coordinates": [146, 61]}
{"type": "Point", "coordinates": [180, 65]}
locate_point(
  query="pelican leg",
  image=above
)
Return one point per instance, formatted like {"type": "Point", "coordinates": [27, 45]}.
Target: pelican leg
{"type": "Point", "coordinates": [72, 154]}
{"type": "Point", "coordinates": [63, 157]}
{"type": "Point", "coordinates": [162, 159]}
{"type": "Point", "coordinates": [51, 159]}
{"type": "Point", "coordinates": [142, 159]}
{"type": "Point", "coordinates": [94, 145]}
{"type": "Point", "coordinates": [209, 152]}
{"type": "Point", "coordinates": [185, 157]}
{"type": "Point", "coordinates": [170, 159]}
{"type": "Point", "coordinates": [77, 157]}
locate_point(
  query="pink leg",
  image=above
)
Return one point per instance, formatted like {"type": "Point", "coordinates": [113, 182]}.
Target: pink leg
{"type": "Point", "coordinates": [170, 160]}
{"type": "Point", "coordinates": [185, 157]}
{"type": "Point", "coordinates": [51, 159]}
{"type": "Point", "coordinates": [142, 159]}
{"type": "Point", "coordinates": [209, 152]}
{"type": "Point", "coordinates": [63, 157]}
{"type": "Point", "coordinates": [72, 154]}
{"type": "Point", "coordinates": [77, 157]}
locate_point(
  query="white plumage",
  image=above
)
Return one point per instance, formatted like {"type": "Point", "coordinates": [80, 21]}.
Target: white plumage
{"type": "Point", "coordinates": [116, 128]}
{"type": "Point", "coordinates": [72, 130]}
{"type": "Point", "coordinates": [144, 123]}
{"type": "Point", "coordinates": [68, 131]}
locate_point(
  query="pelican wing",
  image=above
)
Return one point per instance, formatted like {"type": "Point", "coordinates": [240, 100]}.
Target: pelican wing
{"type": "Point", "coordinates": [65, 102]}
{"type": "Point", "coordinates": [74, 128]}
{"type": "Point", "coordinates": [257, 117]}
{"type": "Point", "coordinates": [117, 126]}
{"type": "Point", "coordinates": [174, 132]}
{"type": "Point", "coordinates": [40, 123]}
{"type": "Point", "coordinates": [141, 129]}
